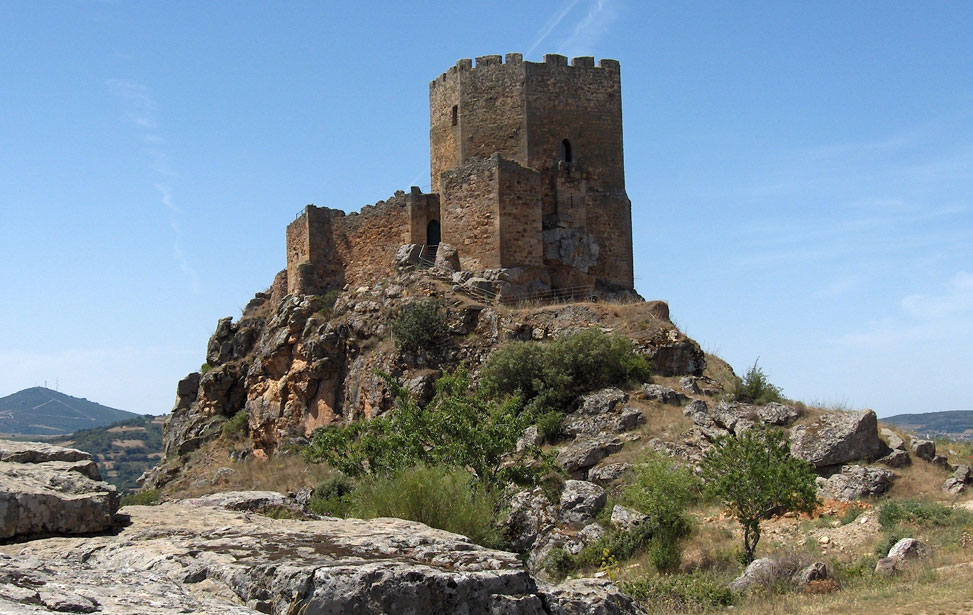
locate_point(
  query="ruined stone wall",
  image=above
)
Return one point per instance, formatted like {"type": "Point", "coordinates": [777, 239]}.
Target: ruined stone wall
{"type": "Point", "coordinates": [422, 209]}
{"type": "Point", "coordinates": [520, 215]}
{"type": "Point", "coordinates": [610, 223]}
{"type": "Point", "coordinates": [469, 204]}
{"type": "Point", "coordinates": [489, 98]}
{"type": "Point", "coordinates": [327, 249]}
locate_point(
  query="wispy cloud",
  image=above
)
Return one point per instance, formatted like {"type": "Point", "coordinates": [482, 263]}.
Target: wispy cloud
{"type": "Point", "coordinates": [582, 37]}
{"type": "Point", "coordinates": [923, 318]}
{"type": "Point", "coordinates": [141, 111]}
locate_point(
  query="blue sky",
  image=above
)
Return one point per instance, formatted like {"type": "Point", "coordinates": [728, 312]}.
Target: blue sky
{"type": "Point", "coordinates": [801, 174]}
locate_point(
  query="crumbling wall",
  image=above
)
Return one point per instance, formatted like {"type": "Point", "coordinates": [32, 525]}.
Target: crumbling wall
{"type": "Point", "coordinates": [470, 216]}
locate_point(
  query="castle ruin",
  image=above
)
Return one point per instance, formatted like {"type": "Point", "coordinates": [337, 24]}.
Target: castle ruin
{"type": "Point", "coordinates": [527, 176]}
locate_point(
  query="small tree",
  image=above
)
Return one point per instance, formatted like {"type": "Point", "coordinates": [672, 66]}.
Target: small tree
{"type": "Point", "coordinates": [419, 325]}
{"type": "Point", "coordinates": [755, 476]}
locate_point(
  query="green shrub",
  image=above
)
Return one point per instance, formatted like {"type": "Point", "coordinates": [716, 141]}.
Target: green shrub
{"type": "Point", "coordinates": [457, 428]}
{"type": "Point", "coordinates": [551, 375]}
{"type": "Point", "coordinates": [205, 367]}
{"type": "Point", "coordinates": [550, 425]}
{"type": "Point", "coordinates": [755, 388]}
{"type": "Point", "coordinates": [328, 300]}
{"type": "Point", "coordinates": [236, 426]}
{"type": "Point", "coordinates": [920, 513]}
{"type": "Point", "coordinates": [419, 325]}
{"type": "Point", "coordinates": [331, 496]}
{"type": "Point", "coordinates": [663, 490]}
{"type": "Point", "coordinates": [146, 497]}
{"type": "Point", "coordinates": [440, 496]}
{"type": "Point", "coordinates": [681, 593]}
{"type": "Point", "coordinates": [849, 517]}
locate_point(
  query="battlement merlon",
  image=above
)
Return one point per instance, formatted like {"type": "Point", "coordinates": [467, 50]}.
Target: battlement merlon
{"type": "Point", "coordinates": [516, 59]}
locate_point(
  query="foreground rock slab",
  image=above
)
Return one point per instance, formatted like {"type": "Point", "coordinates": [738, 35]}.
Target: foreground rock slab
{"type": "Point", "coordinates": [191, 557]}
{"type": "Point", "coordinates": [47, 489]}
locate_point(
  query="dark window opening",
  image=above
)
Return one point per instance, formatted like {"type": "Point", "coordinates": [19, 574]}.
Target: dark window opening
{"type": "Point", "coordinates": [433, 233]}
{"type": "Point", "coordinates": [566, 151]}
{"type": "Point", "coordinates": [455, 114]}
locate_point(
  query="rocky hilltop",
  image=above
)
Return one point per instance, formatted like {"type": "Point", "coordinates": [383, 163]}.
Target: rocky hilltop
{"type": "Point", "coordinates": [302, 362]}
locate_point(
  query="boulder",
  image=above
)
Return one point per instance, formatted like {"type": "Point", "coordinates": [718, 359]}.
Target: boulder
{"type": "Point", "coordinates": [447, 258]}
{"type": "Point", "coordinates": [886, 566]}
{"type": "Point", "coordinates": [47, 489]}
{"type": "Point", "coordinates": [895, 442]}
{"type": "Point", "coordinates": [838, 437]}
{"type": "Point", "coordinates": [812, 572]}
{"type": "Point", "coordinates": [924, 449]}
{"type": "Point", "coordinates": [407, 255]}
{"type": "Point", "coordinates": [588, 597]}
{"type": "Point", "coordinates": [601, 402]}
{"type": "Point", "coordinates": [954, 486]}
{"type": "Point", "coordinates": [909, 548]}
{"type": "Point", "coordinates": [777, 414]}
{"type": "Point", "coordinates": [608, 472]}
{"type": "Point", "coordinates": [665, 395]}
{"type": "Point", "coordinates": [962, 473]}
{"type": "Point", "coordinates": [853, 482]}
{"type": "Point", "coordinates": [580, 502]}
{"type": "Point", "coordinates": [586, 452]}
{"type": "Point", "coordinates": [898, 458]}
{"type": "Point", "coordinates": [761, 571]}
{"type": "Point", "coordinates": [530, 514]}
{"type": "Point", "coordinates": [625, 518]}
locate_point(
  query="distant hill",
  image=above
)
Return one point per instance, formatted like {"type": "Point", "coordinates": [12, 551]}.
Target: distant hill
{"type": "Point", "coordinates": [123, 450]}
{"type": "Point", "coordinates": [43, 412]}
{"type": "Point", "coordinates": [955, 424]}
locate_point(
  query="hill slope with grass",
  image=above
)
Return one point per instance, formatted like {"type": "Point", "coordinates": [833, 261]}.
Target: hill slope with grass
{"type": "Point", "coordinates": [43, 412]}
{"type": "Point", "coordinates": [123, 450]}
{"type": "Point", "coordinates": [954, 424]}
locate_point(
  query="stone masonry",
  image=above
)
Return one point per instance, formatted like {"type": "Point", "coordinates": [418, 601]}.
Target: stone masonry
{"type": "Point", "coordinates": [527, 172]}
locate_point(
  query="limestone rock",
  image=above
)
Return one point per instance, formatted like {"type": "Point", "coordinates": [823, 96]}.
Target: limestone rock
{"type": "Point", "coordinates": [838, 437]}
{"type": "Point", "coordinates": [909, 548]}
{"type": "Point", "coordinates": [580, 502]}
{"type": "Point", "coordinates": [962, 473]}
{"type": "Point", "coordinates": [886, 566]}
{"type": "Point", "coordinates": [530, 514]}
{"type": "Point", "coordinates": [602, 401]}
{"type": "Point", "coordinates": [586, 452]}
{"type": "Point", "coordinates": [407, 255]}
{"type": "Point", "coordinates": [608, 472]}
{"type": "Point", "coordinates": [625, 518]}
{"type": "Point", "coordinates": [51, 490]}
{"type": "Point", "coordinates": [447, 258]}
{"type": "Point", "coordinates": [665, 395]}
{"type": "Point", "coordinates": [588, 597]}
{"type": "Point", "coordinates": [812, 572]}
{"type": "Point", "coordinates": [924, 449]}
{"type": "Point", "coordinates": [776, 414]}
{"type": "Point", "coordinates": [895, 442]}
{"type": "Point", "coordinates": [954, 486]}
{"type": "Point", "coordinates": [854, 482]}
{"type": "Point", "coordinates": [759, 572]}
{"type": "Point", "coordinates": [898, 458]}
{"type": "Point", "coordinates": [178, 558]}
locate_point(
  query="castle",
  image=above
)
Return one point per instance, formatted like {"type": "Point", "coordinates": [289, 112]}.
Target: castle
{"type": "Point", "coordinates": [527, 175]}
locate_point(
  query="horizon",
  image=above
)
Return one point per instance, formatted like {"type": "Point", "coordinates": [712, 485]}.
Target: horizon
{"type": "Point", "coordinates": [799, 176]}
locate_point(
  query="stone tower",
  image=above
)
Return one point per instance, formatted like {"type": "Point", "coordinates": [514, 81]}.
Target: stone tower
{"type": "Point", "coordinates": [561, 124]}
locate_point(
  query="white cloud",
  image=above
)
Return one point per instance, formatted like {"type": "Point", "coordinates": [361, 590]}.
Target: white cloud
{"type": "Point", "coordinates": [586, 32]}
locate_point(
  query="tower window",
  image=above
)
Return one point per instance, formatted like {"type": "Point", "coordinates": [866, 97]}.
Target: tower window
{"type": "Point", "coordinates": [455, 114]}
{"type": "Point", "coordinates": [566, 151]}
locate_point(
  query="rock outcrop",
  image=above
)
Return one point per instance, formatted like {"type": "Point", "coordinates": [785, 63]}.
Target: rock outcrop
{"type": "Point", "coordinates": [191, 557]}
{"type": "Point", "coordinates": [854, 482]}
{"type": "Point", "coordinates": [838, 437]}
{"type": "Point", "coordinates": [47, 489]}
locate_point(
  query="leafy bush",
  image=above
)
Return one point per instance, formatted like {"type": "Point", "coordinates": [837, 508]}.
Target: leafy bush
{"type": "Point", "coordinates": [328, 300]}
{"type": "Point", "coordinates": [331, 496]}
{"type": "Point", "coordinates": [205, 367]}
{"type": "Point", "coordinates": [456, 428]}
{"type": "Point", "coordinates": [552, 375]}
{"type": "Point", "coordinates": [755, 388]}
{"type": "Point", "coordinates": [755, 476]}
{"type": "Point", "coordinates": [681, 593]}
{"type": "Point", "coordinates": [850, 515]}
{"type": "Point", "coordinates": [147, 497]}
{"type": "Point", "coordinates": [419, 325]}
{"type": "Point", "coordinates": [237, 425]}
{"type": "Point", "coordinates": [921, 513]}
{"type": "Point", "coordinates": [440, 496]}
{"type": "Point", "coordinates": [550, 425]}
{"type": "Point", "coordinates": [664, 491]}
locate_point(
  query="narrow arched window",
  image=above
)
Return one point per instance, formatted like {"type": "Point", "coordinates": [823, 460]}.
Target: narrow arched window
{"type": "Point", "coordinates": [455, 114]}
{"type": "Point", "coordinates": [566, 151]}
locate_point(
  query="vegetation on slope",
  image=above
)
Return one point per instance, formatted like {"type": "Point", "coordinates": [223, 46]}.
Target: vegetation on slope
{"type": "Point", "coordinates": [123, 450]}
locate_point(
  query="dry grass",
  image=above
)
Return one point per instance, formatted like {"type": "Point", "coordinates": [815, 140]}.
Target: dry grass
{"type": "Point", "coordinates": [920, 480]}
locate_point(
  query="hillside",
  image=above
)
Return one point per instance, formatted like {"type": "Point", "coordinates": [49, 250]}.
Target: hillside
{"type": "Point", "coordinates": [123, 450]}
{"type": "Point", "coordinates": [954, 424]}
{"type": "Point", "coordinates": [41, 411]}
